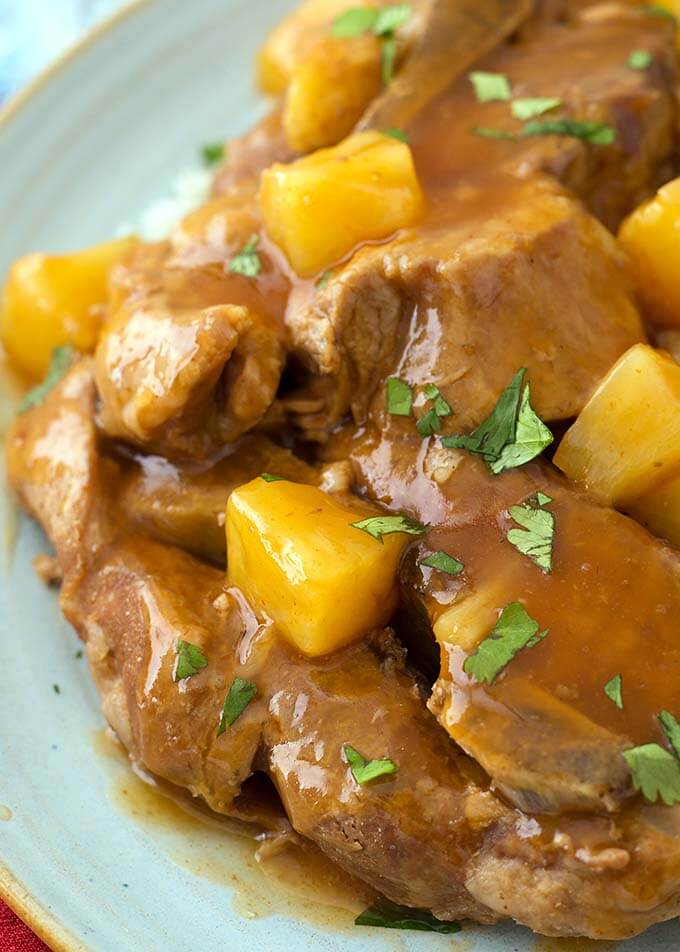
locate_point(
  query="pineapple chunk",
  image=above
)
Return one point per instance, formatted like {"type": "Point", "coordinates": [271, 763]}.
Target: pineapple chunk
{"type": "Point", "coordinates": [321, 207]}
{"type": "Point", "coordinates": [626, 441]}
{"type": "Point", "coordinates": [293, 552]}
{"type": "Point", "coordinates": [330, 90]}
{"type": "Point", "coordinates": [53, 300]}
{"type": "Point", "coordinates": [290, 42]}
{"type": "Point", "coordinates": [659, 510]}
{"type": "Point", "coordinates": [474, 613]}
{"type": "Point", "coordinates": [651, 236]}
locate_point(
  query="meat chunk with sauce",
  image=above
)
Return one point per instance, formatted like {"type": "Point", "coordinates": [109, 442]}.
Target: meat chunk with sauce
{"type": "Point", "coordinates": [433, 835]}
{"type": "Point", "coordinates": [502, 276]}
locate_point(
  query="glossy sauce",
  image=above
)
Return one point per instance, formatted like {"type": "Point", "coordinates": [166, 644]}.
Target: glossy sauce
{"type": "Point", "coordinates": [275, 875]}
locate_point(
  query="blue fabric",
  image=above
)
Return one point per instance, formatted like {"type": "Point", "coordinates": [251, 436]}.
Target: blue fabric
{"type": "Point", "coordinates": [34, 32]}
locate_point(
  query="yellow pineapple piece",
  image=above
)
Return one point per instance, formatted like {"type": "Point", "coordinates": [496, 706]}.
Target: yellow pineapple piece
{"type": "Point", "coordinates": [330, 90]}
{"type": "Point", "coordinates": [651, 236]}
{"type": "Point", "coordinates": [51, 300]}
{"type": "Point", "coordinates": [290, 42]}
{"type": "Point", "coordinates": [319, 208]}
{"type": "Point", "coordinates": [626, 440]}
{"type": "Point", "coordinates": [294, 553]}
{"type": "Point", "coordinates": [659, 510]}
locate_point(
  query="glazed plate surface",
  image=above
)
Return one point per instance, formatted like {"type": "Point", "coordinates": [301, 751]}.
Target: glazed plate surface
{"type": "Point", "coordinates": [90, 858]}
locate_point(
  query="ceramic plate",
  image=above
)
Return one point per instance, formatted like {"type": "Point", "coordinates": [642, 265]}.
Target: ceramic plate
{"type": "Point", "coordinates": [87, 855]}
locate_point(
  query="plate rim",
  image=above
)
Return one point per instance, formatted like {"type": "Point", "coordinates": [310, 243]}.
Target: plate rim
{"type": "Point", "coordinates": [42, 921]}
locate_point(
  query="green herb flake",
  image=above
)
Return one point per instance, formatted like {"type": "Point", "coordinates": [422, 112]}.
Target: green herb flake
{"type": "Point", "coordinates": [212, 153]}
{"type": "Point", "coordinates": [530, 107]}
{"type": "Point", "coordinates": [390, 18]}
{"type": "Point", "coordinates": [389, 916]}
{"type": "Point", "coordinates": [595, 133]}
{"type": "Point", "coordinates": [671, 729]}
{"type": "Point", "coordinates": [398, 134]}
{"type": "Point", "coordinates": [399, 397]}
{"type": "Point", "coordinates": [354, 22]}
{"type": "Point", "coordinates": [56, 689]}
{"type": "Point", "coordinates": [511, 435]}
{"type": "Point", "coordinates": [363, 770]}
{"type": "Point", "coordinates": [489, 133]}
{"type": "Point", "coordinates": [379, 526]}
{"type": "Point", "coordinates": [247, 262]}
{"type": "Point", "coordinates": [189, 660]}
{"type": "Point", "coordinates": [241, 693]}
{"type": "Point", "coordinates": [640, 60]}
{"type": "Point", "coordinates": [514, 630]}
{"type": "Point", "coordinates": [388, 57]}
{"type": "Point", "coordinates": [542, 499]}
{"type": "Point", "coordinates": [614, 691]}
{"type": "Point", "coordinates": [655, 771]}
{"type": "Point", "coordinates": [79, 654]}
{"type": "Point", "coordinates": [490, 87]}
{"type": "Point", "coordinates": [59, 365]}
{"type": "Point", "coordinates": [656, 10]}
{"type": "Point", "coordinates": [535, 538]}
{"type": "Point", "coordinates": [429, 424]}
{"type": "Point", "coordinates": [441, 407]}
{"type": "Point", "coordinates": [271, 478]}
{"type": "Point", "coordinates": [443, 562]}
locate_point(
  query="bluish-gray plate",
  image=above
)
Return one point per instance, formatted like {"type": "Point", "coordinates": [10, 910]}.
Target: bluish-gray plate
{"type": "Point", "coordinates": [88, 858]}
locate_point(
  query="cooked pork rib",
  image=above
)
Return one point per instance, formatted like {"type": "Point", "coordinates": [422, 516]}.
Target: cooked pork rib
{"type": "Point", "coordinates": [433, 836]}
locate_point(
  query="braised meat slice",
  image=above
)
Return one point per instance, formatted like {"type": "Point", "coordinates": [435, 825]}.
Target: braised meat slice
{"type": "Point", "coordinates": [183, 504]}
{"type": "Point", "coordinates": [502, 276]}
{"type": "Point", "coordinates": [191, 355]}
{"type": "Point", "coordinates": [540, 723]}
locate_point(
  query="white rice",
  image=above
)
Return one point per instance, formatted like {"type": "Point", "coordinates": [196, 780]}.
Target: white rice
{"type": "Point", "coordinates": [188, 190]}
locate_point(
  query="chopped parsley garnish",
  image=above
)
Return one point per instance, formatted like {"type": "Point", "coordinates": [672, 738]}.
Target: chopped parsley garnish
{"type": "Point", "coordinates": [541, 499]}
{"type": "Point", "coordinates": [212, 153]}
{"type": "Point", "coordinates": [441, 407]}
{"type": "Point", "coordinates": [383, 22]}
{"type": "Point", "coordinates": [190, 660]}
{"type": "Point", "coordinates": [364, 771]}
{"type": "Point", "coordinates": [443, 562]}
{"type": "Point", "coordinates": [398, 134]}
{"type": "Point", "coordinates": [271, 478]}
{"type": "Point", "coordinates": [56, 689]}
{"type": "Point", "coordinates": [528, 108]}
{"type": "Point", "coordinates": [391, 17]}
{"type": "Point", "coordinates": [59, 364]}
{"type": "Point", "coordinates": [614, 691]}
{"type": "Point", "coordinates": [535, 538]}
{"type": "Point", "coordinates": [489, 133]}
{"type": "Point", "coordinates": [429, 424]}
{"type": "Point", "coordinates": [324, 279]}
{"type": "Point", "coordinates": [640, 59]}
{"type": "Point", "coordinates": [354, 22]}
{"type": "Point", "coordinates": [79, 654]}
{"type": "Point", "coordinates": [671, 729]}
{"type": "Point", "coordinates": [389, 916]}
{"type": "Point", "coordinates": [656, 10]}
{"type": "Point", "coordinates": [399, 397]}
{"type": "Point", "coordinates": [379, 526]}
{"type": "Point", "coordinates": [241, 693]}
{"type": "Point", "coordinates": [247, 262]}
{"type": "Point", "coordinates": [511, 435]}
{"type": "Point", "coordinates": [655, 771]}
{"type": "Point", "coordinates": [596, 133]}
{"type": "Point", "coordinates": [514, 630]}
{"type": "Point", "coordinates": [490, 87]}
